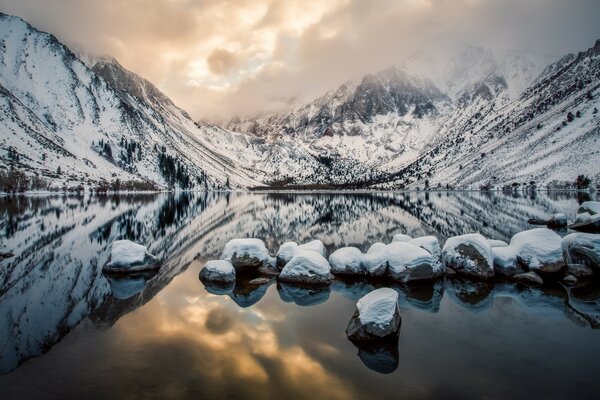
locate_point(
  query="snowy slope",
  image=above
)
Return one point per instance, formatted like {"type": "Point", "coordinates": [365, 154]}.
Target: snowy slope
{"type": "Point", "coordinates": [530, 139]}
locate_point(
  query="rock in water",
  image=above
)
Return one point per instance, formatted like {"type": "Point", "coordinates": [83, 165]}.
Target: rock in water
{"type": "Point", "coordinates": [347, 261]}
{"type": "Point", "coordinates": [288, 250]}
{"type": "Point", "coordinates": [408, 263]}
{"type": "Point", "coordinates": [218, 271]}
{"type": "Point", "coordinates": [529, 278]}
{"type": "Point", "coordinates": [307, 268]}
{"type": "Point", "coordinates": [582, 249]}
{"type": "Point", "coordinates": [127, 256]}
{"type": "Point", "coordinates": [570, 280]}
{"type": "Point", "coordinates": [469, 255]}
{"type": "Point", "coordinates": [285, 254]}
{"type": "Point", "coordinates": [588, 217]}
{"type": "Point", "coordinates": [246, 254]}
{"type": "Point", "coordinates": [538, 249]}
{"type": "Point", "coordinates": [432, 245]}
{"type": "Point", "coordinates": [557, 221]}
{"type": "Point", "coordinates": [376, 317]}
{"type": "Point", "coordinates": [375, 261]}
{"type": "Point", "coordinates": [505, 261]}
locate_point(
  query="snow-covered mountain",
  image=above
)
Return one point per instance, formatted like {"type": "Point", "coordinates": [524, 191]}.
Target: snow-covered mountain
{"type": "Point", "coordinates": [440, 119]}
{"type": "Point", "coordinates": [475, 118]}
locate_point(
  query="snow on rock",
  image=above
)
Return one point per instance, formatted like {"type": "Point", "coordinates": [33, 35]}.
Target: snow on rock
{"type": "Point", "coordinates": [581, 249]}
{"type": "Point", "coordinates": [218, 271]}
{"type": "Point", "coordinates": [588, 217]}
{"type": "Point", "coordinates": [538, 249]}
{"type": "Point", "coordinates": [246, 254]}
{"type": "Point", "coordinates": [505, 261]}
{"type": "Point", "coordinates": [469, 255]}
{"type": "Point", "coordinates": [376, 260]}
{"type": "Point", "coordinates": [401, 238]}
{"type": "Point", "coordinates": [286, 253]}
{"type": "Point", "coordinates": [407, 262]}
{"type": "Point", "coordinates": [127, 256]}
{"type": "Point", "coordinates": [432, 245]}
{"type": "Point", "coordinates": [288, 250]}
{"type": "Point", "coordinates": [376, 316]}
{"type": "Point", "coordinates": [347, 261]}
{"type": "Point", "coordinates": [497, 243]}
{"type": "Point", "coordinates": [307, 267]}
{"type": "Point", "coordinates": [315, 245]}
{"type": "Point", "coordinates": [529, 278]}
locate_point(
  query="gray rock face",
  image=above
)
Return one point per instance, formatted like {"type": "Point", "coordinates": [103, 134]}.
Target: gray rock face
{"type": "Point", "coordinates": [469, 255]}
{"type": "Point", "coordinates": [376, 317]}
{"type": "Point", "coordinates": [581, 252]}
{"type": "Point", "coordinates": [529, 278]}
{"type": "Point", "coordinates": [218, 272]}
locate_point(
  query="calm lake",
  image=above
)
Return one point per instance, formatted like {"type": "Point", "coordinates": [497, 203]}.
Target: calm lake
{"type": "Point", "coordinates": [69, 332]}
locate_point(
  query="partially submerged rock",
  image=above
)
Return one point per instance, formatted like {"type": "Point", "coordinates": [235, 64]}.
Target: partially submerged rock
{"type": "Point", "coordinates": [588, 217]}
{"type": "Point", "coordinates": [529, 278]}
{"type": "Point", "coordinates": [469, 255]}
{"type": "Point", "coordinates": [432, 245]}
{"type": "Point", "coordinates": [246, 254]}
{"type": "Point", "coordinates": [218, 271]}
{"type": "Point", "coordinates": [505, 261]}
{"type": "Point", "coordinates": [557, 221]}
{"type": "Point", "coordinates": [408, 263]}
{"type": "Point", "coordinates": [582, 249]}
{"type": "Point", "coordinates": [539, 250]}
{"type": "Point", "coordinates": [307, 268]}
{"type": "Point", "coordinates": [347, 261]}
{"type": "Point", "coordinates": [127, 257]}
{"type": "Point", "coordinates": [570, 280]}
{"type": "Point", "coordinates": [376, 317]}
{"type": "Point", "coordinates": [375, 261]}
{"type": "Point", "coordinates": [288, 250]}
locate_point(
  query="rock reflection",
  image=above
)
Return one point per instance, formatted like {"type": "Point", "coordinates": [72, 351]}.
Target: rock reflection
{"type": "Point", "coordinates": [473, 295]}
{"type": "Point", "coordinates": [249, 289]}
{"type": "Point", "coordinates": [124, 287]}
{"type": "Point", "coordinates": [301, 295]}
{"type": "Point", "coordinates": [379, 356]}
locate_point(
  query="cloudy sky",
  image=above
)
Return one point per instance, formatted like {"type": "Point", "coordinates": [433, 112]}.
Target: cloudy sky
{"type": "Point", "coordinates": [239, 57]}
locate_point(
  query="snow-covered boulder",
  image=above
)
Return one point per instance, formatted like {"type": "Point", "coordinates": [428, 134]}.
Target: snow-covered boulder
{"type": "Point", "coordinates": [127, 256]}
{"type": "Point", "coordinates": [505, 261]}
{"type": "Point", "coordinates": [375, 261]}
{"type": "Point", "coordinates": [314, 245]}
{"type": "Point", "coordinates": [582, 249]}
{"type": "Point", "coordinates": [400, 237]}
{"type": "Point", "coordinates": [529, 278]}
{"type": "Point", "coordinates": [376, 316]}
{"type": "Point", "coordinates": [347, 261]}
{"type": "Point", "coordinates": [307, 268]}
{"type": "Point", "coordinates": [470, 255]}
{"type": "Point", "coordinates": [538, 250]}
{"type": "Point", "coordinates": [218, 271]}
{"type": "Point", "coordinates": [408, 263]}
{"type": "Point", "coordinates": [286, 253]}
{"type": "Point", "coordinates": [588, 217]}
{"type": "Point", "coordinates": [246, 254]}
{"type": "Point", "coordinates": [432, 245]}
{"type": "Point", "coordinates": [288, 250]}
{"type": "Point", "coordinates": [557, 221]}
{"type": "Point", "coordinates": [497, 243]}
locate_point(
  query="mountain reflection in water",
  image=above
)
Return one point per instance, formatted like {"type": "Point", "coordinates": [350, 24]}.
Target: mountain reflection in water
{"type": "Point", "coordinates": [168, 335]}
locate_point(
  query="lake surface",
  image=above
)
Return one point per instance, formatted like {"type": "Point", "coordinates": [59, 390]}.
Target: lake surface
{"type": "Point", "coordinates": [69, 332]}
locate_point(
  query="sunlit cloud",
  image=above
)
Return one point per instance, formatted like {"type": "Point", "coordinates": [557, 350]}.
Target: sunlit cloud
{"type": "Point", "coordinates": [228, 57]}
